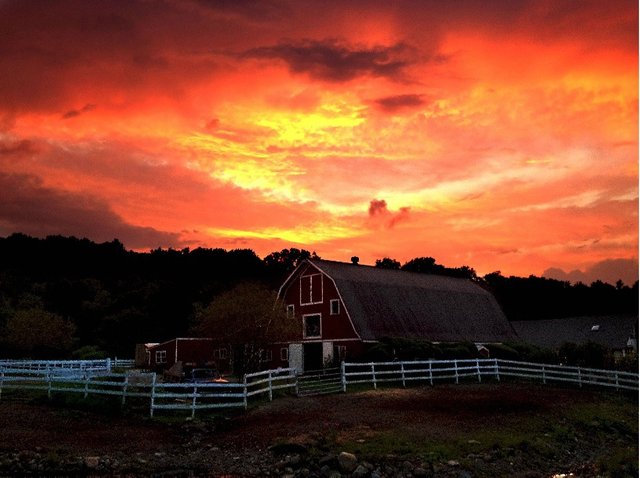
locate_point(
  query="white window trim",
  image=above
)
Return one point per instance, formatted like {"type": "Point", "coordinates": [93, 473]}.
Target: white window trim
{"type": "Point", "coordinates": [161, 356]}
{"type": "Point", "coordinates": [304, 327]}
{"type": "Point", "coordinates": [291, 311]}
{"type": "Point", "coordinates": [284, 354]}
{"type": "Point", "coordinates": [334, 301]}
{"type": "Point", "coordinates": [310, 276]}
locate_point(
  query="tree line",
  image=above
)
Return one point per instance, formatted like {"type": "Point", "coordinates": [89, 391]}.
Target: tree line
{"type": "Point", "coordinates": [66, 297]}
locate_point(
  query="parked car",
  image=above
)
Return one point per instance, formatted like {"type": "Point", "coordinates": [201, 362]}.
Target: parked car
{"type": "Point", "coordinates": [205, 375]}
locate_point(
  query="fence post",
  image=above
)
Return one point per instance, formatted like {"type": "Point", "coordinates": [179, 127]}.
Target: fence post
{"type": "Point", "coordinates": [544, 375]}
{"type": "Point", "coordinates": [579, 377]}
{"type": "Point", "coordinates": [193, 401]}
{"type": "Point", "coordinates": [455, 366]}
{"type": "Point", "coordinates": [49, 384]}
{"type": "Point", "coordinates": [478, 368]}
{"type": "Point", "coordinates": [108, 365]}
{"type": "Point", "coordinates": [1, 381]}
{"type": "Point", "coordinates": [430, 373]}
{"type": "Point", "coordinates": [270, 387]}
{"type": "Point", "coordinates": [617, 384]}
{"type": "Point", "coordinates": [373, 374]}
{"type": "Point", "coordinates": [497, 370]}
{"type": "Point", "coordinates": [86, 385]}
{"type": "Point", "coordinates": [343, 377]}
{"type": "Point", "coordinates": [153, 394]}
{"type": "Point", "coordinates": [402, 369]}
{"type": "Point", "coordinates": [245, 400]}
{"type": "Point", "coordinates": [124, 388]}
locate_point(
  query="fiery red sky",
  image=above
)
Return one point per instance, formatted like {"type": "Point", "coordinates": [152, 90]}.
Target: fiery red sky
{"type": "Point", "coordinates": [502, 135]}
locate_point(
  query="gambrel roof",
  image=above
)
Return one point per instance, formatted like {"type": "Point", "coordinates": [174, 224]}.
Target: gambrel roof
{"type": "Point", "coordinates": [393, 303]}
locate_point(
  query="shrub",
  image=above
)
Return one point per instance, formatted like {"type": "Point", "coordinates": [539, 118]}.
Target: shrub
{"type": "Point", "coordinates": [89, 352]}
{"type": "Point", "coordinates": [392, 348]}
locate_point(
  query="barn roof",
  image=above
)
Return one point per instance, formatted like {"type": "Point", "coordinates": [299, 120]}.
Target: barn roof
{"type": "Point", "coordinates": [393, 303]}
{"type": "Point", "coordinates": [612, 331]}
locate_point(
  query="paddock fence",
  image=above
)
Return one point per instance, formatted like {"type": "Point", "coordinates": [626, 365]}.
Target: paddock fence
{"type": "Point", "coordinates": [96, 379]}
{"type": "Point", "coordinates": [430, 371]}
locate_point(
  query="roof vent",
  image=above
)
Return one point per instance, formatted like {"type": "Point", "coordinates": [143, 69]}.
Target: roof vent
{"type": "Point", "coordinates": [355, 260]}
{"type": "Point", "coordinates": [595, 328]}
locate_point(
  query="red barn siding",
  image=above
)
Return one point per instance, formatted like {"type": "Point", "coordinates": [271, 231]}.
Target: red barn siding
{"type": "Point", "coordinates": [311, 293]}
{"type": "Point", "coordinates": [192, 352]}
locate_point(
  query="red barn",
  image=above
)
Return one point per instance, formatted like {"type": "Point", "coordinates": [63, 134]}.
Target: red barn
{"type": "Point", "coordinates": [345, 306]}
{"type": "Point", "coordinates": [192, 352]}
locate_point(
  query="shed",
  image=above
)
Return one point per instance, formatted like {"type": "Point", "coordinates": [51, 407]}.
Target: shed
{"type": "Point", "coordinates": [191, 351]}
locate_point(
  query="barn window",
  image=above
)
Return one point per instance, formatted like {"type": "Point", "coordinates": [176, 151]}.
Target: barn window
{"type": "Point", "coordinates": [335, 306]}
{"type": "Point", "coordinates": [312, 326]}
{"type": "Point", "coordinates": [291, 309]}
{"type": "Point", "coordinates": [220, 354]}
{"type": "Point", "coordinates": [161, 356]}
{"type": "Point", "coordinates": [311, 289]}
{"type": "Point", "coordinates": [284, 354]}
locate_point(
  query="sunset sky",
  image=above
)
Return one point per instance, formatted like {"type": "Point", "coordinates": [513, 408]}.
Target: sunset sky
{"type": "Point", "coordinates": [502, 135]}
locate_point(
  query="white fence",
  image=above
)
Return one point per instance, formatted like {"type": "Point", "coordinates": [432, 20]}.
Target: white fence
{"type": "Point", "coordinates": [161, 396]}
{"type": "Point", "coordinates": [67, 367]}
{"type": "Point", "coordinates": [432, 370]}
{"type": "Point", "coordinates": [92, 378]}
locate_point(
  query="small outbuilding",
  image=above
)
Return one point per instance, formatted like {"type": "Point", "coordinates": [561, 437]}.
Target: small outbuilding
{"type": "Point", "coordinates": [191, 352]}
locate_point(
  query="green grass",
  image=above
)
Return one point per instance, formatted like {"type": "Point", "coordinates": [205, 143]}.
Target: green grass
{"type": "Point", "coordinates": [611, 419]}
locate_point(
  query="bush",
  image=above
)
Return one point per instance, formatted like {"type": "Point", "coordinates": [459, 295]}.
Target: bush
{"type": "Point", "coordinates": [590, 355]}
{"type": "Point", "coordinates": [89, 352]}
{"type": "Point", "coordinates": [503, 351]}
{"type": "Point", "coordinates": [389, 349]}
{"type": "Point", "coordinates": [527, 353]}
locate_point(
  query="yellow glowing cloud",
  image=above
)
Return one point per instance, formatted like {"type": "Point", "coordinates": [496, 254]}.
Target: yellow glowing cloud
{"type": "Point", "coordinates": [303, 234]}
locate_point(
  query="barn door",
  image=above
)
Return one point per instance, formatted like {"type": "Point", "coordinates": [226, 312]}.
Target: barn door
{"type": "Point", "coordinates": [295, 357]}
{"type": "Point", "coordinates": [327, 354]}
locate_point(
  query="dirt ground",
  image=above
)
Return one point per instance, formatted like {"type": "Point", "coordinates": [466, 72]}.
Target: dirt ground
{"type": "Point", "coordinates": [481, 430]}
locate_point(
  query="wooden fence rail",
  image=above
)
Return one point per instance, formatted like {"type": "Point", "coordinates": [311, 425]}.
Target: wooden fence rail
{"type": "Point", "coordinates": [59, 367]}
{"type": "Point", "coordinates": [191, 397]}
{"type": "Point", "coordinates": [432, 370]}
{"type": "Point", "coordinates": [162, 396]}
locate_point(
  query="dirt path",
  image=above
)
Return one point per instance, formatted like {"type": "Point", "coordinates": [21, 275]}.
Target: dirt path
{"type": "Point", "coordinates": [481, 430]}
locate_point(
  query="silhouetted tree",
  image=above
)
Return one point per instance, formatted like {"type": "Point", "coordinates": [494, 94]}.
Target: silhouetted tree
{"type": "Point", "coordinates": [280, 264]}
{"type": "Point", "coordinates": [249, 318]}
{"type": "Point", "coordinates": [387, 263]}
{"type": "Point", "coordinates": [37, 333]}
{"type": "Point", "coordinates": [425, 265]}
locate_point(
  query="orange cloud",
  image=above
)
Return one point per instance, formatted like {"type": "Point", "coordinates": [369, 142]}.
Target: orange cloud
{"type": "Point", "coordinates": [500, 136]}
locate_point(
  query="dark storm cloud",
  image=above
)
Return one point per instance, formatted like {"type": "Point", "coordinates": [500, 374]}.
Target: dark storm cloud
{"type": "Point", "coordinates": [330, 60]}
{"type": "Point", "coordinates": [379, 214]}
{"type": "Point", "coordinates": [17, 149]}
{"type": "Point", "coordinates": [398, 102]}
{"type": "Point", "coordinates": [29, 207]}
{"type": "Point", "coordinates": [608, 270]}
{"type": "Point", "coordinates": [264, 10]}
{"type": "Point", "coordinates": [377, 207]}
{"type": "Point", "coordinates": [74, 113]}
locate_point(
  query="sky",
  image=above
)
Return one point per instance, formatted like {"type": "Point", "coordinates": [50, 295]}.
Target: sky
{"type": "Point", "coordinates": [502, 135]}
